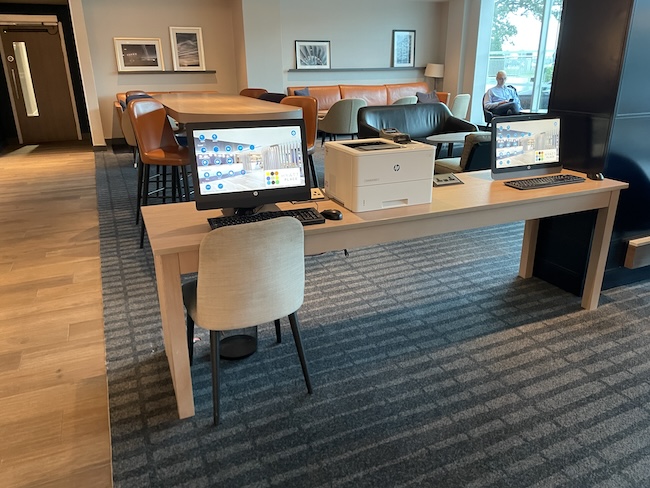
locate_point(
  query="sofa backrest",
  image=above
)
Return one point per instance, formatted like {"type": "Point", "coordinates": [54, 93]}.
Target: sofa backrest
{"type": "Point", "coordinates": [372, 94]}
{"type": "Point", "coordinates": [326, 95]}
{"type": "Point", "coordinates": [401, 90]}
{"type": "Point", "coordinates": [419, 120]}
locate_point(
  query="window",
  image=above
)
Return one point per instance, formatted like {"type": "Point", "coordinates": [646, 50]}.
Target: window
{"type": "Point", "coordinates": [523, 43]}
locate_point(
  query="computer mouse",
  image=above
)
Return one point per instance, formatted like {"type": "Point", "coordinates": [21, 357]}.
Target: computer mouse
{"type": "Point", "coordinates": [331, 214]}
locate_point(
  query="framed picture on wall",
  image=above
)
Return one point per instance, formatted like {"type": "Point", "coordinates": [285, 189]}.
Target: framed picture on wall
{"type": "Point", "coordinates": [187, 48]}
{"type": "Point", "coordinates": [138, 54]}
{"type": "Point", "coordinates": [313, 55]}
{"type": "Point", "coordinates": [403, 48]}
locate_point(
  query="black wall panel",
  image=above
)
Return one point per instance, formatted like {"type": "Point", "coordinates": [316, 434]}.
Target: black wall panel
{"type": "Point", "coordinates": [600, 88]}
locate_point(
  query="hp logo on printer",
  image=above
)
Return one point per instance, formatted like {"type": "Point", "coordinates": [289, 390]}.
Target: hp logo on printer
{"type": "Point", "coordinates": [396, 167]}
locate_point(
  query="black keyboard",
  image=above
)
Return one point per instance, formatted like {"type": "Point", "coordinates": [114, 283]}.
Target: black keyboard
{"type": "Point", "coordinates": [306, 216]}
{"type": "Point", "coordinates": [543, 181]}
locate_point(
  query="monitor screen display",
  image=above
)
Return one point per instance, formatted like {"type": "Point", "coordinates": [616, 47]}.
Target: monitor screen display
{"type": "Point", "coordinates": [247, 164]}
{"type": "Point", "coordinates": [525, 145]}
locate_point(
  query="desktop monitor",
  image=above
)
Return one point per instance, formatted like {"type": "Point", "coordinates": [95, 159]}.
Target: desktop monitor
{"type": "Point", "coordinates": [525, 145]}
{"type": "Point", "coordinates": [243, 165]}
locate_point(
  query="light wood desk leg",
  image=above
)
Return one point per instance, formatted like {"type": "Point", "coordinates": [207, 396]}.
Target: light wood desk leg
{"type": "Point", "coordinates": [528, 247]}
{"type": "Point", "coordinates": [598, 255]}
{"type": "Point", "coordinates": [168, 278]}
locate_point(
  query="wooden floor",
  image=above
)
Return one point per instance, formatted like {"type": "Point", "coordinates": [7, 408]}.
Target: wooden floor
{"type": "Point", "coordinates": [54, 428]}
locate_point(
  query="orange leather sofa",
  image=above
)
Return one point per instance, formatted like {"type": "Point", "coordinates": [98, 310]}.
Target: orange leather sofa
{"type": "Point", "coordinates": [373, 94]}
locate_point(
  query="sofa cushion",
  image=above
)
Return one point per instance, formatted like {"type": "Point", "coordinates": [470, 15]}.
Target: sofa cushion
{"type": "Point", "coordinates": [326, 95]}
{"type": "Point", "coordinates": [401, 90]}
{"type": "Point", "coordinates": [302, 93]}
{"type": "Point", "coordinates": [427, 97]}
{"type": "Point", "coordinates": [372, 94]}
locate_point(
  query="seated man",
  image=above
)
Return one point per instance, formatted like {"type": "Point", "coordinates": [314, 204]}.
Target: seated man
{"type": "Point", "coordinates": [502, 99]}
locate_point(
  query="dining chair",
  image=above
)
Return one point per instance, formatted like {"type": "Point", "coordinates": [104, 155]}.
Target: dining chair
{"type": "Point", "coordinates": [255, 288]}
{"type": "Point", "coordinates": [406, 100]}
{"type": "Point", "coordinates": [253, 92]}
{"type": "Point", "coordinates": [460, 105]}
{"type": "Point", "coordinates": [157, 147]}
{"type": "Point", "coordinates": [309, 107]}
{"type": "Point", "coordinates": [272, 97]}
{"type": "Point", "coordinates": [341, 118]}
{"type": "Point", "coordinates": [127, 130]}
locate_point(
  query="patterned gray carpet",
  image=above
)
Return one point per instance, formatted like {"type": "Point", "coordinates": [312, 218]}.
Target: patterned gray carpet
{"type": "Point", "coordinates": [433, 366]}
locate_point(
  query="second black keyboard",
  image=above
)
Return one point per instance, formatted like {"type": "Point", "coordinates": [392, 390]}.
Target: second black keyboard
{"type": "Point", "coordinates": [543, 181]}
{"type": "Point", "coordinates": [306, 216]}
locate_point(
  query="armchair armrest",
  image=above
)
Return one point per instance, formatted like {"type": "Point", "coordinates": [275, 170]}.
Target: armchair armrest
{"type": "Point", "coordinates": [366, 131]}
{"type": "Point", "coordinates": [455, 124]}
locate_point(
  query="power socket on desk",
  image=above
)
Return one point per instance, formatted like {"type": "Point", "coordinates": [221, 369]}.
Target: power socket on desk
{"type": "Point", "coordinates": [445, 179]}
{"type": "Point", "coordinates": [317, 194]}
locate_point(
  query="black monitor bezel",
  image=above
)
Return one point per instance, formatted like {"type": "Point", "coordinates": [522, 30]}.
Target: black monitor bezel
{"type": "Point", "coordinates": [521, 171]}
{"type": "Point", "coordinates": [256, 198]}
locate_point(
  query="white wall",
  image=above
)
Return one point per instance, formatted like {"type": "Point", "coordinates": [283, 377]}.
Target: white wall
{"type": "Point", "coordinates": [360, 33]}
{"type": "Point", "coordinates": [105, 20]}
{"type": "Point", "coordinates": [469, 28]}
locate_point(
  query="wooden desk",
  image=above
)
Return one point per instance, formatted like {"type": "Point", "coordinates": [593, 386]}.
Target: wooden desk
{"type": "Point", "coordinates": [216, 107]}
{"type": "Point", "coordinates": [175, 231]}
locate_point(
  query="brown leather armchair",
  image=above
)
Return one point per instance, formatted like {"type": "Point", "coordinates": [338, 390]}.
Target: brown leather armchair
{"type": "Point", "coordinates": [253, 92]}
{"type": "Point", "coordinates": [309, 107]}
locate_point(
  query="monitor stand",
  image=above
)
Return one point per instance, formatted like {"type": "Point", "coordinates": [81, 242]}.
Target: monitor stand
{"type": "Point", "coordinates": [248, 210]}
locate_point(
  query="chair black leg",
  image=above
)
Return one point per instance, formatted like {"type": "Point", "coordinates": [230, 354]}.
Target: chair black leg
{"type": "Point", "coordinates": [278, 333]}
{"type": "Point", "coordinates": [215, 347]}
{"type": "Point", "coordinates": [313, 171]}
{"type": "Point", "coordinates": [140, 192]}
{"type": "Point", "coordinates": [190, 337]}
{"type": "Point", "coordinates": [186, 184]}
{"type": "Point", "coordinates": [136, 155]}
{"type": "Point", "coordinates": [164, 183]}
{"type": "Point", "coordinates": [295, 329]}
{"type": "Point", "coordinates": [145, 201]}
{"type": "Point", "coordinates": [176, 183]}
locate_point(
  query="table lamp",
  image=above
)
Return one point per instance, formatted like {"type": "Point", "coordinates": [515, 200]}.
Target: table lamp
{"type": "Point", "coordinates": [434, 71]}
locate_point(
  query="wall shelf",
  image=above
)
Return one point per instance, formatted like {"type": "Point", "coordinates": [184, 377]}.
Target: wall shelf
{"type": "Point", "coordinates": [165, 72]}
{"type": "Point", "coordinates": [329, 70]}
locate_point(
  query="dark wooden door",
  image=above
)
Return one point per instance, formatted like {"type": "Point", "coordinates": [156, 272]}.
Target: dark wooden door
{"type": "Point", "coordinates": [39, 83]}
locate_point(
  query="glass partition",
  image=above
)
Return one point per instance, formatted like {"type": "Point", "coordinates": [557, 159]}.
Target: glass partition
{"type": "Point", "coordinates": [523, 44]}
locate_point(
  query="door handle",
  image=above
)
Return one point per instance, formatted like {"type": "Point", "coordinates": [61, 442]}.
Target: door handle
{"type": "Point", "coordinates": [16, 91]}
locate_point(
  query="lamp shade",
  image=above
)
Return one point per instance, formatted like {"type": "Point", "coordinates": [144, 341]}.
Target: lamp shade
{"type": "Point", "coordinates": [434, 70]}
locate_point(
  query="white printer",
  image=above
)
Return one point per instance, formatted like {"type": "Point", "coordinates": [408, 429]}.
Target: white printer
{"type": "Point", "coordinates": [373, 174]}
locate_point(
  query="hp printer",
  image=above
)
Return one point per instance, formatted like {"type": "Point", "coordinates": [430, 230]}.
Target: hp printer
{"type": "Point", "coordinates": [374, 174]}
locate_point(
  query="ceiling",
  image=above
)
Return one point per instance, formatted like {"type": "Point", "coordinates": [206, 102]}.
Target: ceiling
{"type": "Point", "coordinates": [37, 2]}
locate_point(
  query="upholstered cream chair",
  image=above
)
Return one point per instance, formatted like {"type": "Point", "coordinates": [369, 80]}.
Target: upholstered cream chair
{"type": "Point", "coordinates": [309, 107]}
{"type": "Point", "coordinates": [460, 105]}
{"type": "Point", "coordinates": [261, 282]}
{"type": "Point", "coordinates": [341, 118]}
{"type": "Point", "coordinates": [475, 155]}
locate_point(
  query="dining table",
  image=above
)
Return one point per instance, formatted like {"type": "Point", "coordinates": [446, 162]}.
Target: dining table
{"type": "Point", "coordinates": [186, 107]}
